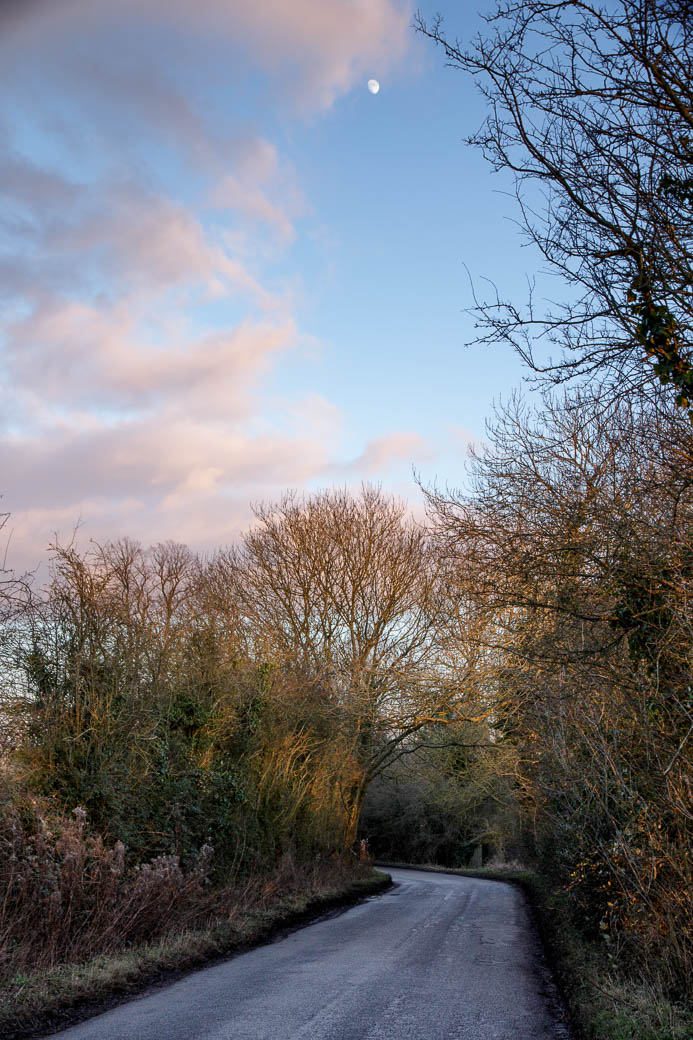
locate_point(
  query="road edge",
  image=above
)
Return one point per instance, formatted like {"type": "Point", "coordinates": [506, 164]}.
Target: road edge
{"type": "Point", "coordinates": [163, 962]}
{"type": "Point", "coordinates": [557, 990]}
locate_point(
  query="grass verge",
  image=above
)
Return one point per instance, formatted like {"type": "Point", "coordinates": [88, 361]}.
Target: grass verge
{"type": "Point", "coordinates": [603, 1005]}
{"type": "Point", "coordinates": [46, 1001]}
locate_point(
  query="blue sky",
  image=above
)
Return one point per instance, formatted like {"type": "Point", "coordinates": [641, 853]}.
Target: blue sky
{"type": "Point", "coordinates": [228, 269]}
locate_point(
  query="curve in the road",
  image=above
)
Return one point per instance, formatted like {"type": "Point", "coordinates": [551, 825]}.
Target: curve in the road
{"type": "Point", "coordinates": [437, 957]}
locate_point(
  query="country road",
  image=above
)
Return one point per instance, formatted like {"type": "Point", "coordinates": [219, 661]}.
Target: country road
{"type": "Point", "coordinates": [438, 957]}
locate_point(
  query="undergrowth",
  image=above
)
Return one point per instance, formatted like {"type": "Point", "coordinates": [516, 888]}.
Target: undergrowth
{"type": "Point", "coordinates": [82, 922]}
{"type": "Point", "coordinates": [34, 1001]}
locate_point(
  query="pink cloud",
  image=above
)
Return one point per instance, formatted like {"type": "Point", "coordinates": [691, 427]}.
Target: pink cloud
{"type": "Point", "coordinates": [382, 453]}
{"type": "Point", "coordinates": [167, 475]}
{"type": "Point", "coordinates": [262, 189]}
{"type": "Point", "coordinates": [114, 237]}
{"type": "Point", "coordinates": [24, 183]}
{"type": "Point", "coordinates": [464, 439]}
{"type": "Point", "coordinates": [319, 48]}
{"type": "Point", "coordinates": [73, 353]}
{"type": "Point", "coordinates": [143, 331]}
{"type": "Point", "coordinates": [171, 476]}
{"type": "Point", "coordinates": [148, 240]}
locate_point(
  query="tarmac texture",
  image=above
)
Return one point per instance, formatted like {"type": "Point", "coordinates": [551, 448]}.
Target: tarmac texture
{"type": "Point", "coordinates": [437, 957]}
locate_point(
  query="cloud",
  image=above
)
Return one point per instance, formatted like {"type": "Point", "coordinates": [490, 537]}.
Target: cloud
{"type": "Point", "coordinates": [383, 453]}
{"type": "Point", "coordinates": [154, 477]}
{"type": "Point", "coordinates": [27, 186]}
{"type": "Point", "coordinates": [127, 232]}
{"type": "Point", "coordinates": [316, 48]}
{"type": "Point", "coordinates": [145, 207]}
{"type": "Point", "coordinates": [261, 189]}
{"type": "Point", "coordinates": [463, 439]}
{"type": "Point", "coordinates": [153, 458]}
{"type": "Point", "coordinates": [76, 354]}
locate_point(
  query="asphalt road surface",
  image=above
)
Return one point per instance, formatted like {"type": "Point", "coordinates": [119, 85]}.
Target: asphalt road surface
{"type": "Point", "coordinates": [438, 957]}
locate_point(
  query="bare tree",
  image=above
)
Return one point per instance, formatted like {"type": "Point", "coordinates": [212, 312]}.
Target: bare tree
{"type": "Point", "coordinates": [591, 110]}
{"type": "Point", "coordinates": [576, 547]}
{"type": "Point", "coordinates": [345, 590]}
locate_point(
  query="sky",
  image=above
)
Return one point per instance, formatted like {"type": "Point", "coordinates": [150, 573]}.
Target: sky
{"type": "Point", "coordinates": [227, 269]}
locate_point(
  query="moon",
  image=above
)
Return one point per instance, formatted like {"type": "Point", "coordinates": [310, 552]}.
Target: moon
{"type": "Point", "coordinates": [373, 86]}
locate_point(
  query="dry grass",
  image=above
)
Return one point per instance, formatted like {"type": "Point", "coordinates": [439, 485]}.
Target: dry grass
{"type": "Point", "coordinates": [80, 924]}
{"type": "Point", "coordinates": [65, 896]}
{"type": "Point", "coordinates": [34, 1001]}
